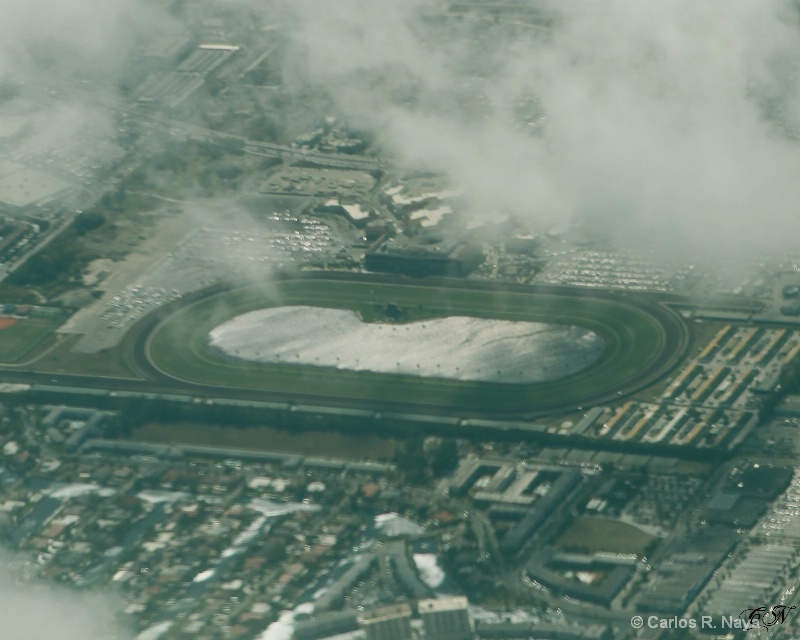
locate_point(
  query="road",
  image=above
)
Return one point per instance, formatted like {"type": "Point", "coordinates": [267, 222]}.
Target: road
{"type": "Point", "coordinates": [288, 153]}
{"type": "Point", "coordinates": [52, 234]}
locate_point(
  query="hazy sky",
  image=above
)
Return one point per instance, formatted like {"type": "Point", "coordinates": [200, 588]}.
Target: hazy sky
{"type": "Point", "coordinates": [84, 32]}
{"type": "Point", "coordinates": [65, 60]}
{"type": "Point", "coordinates": [654, 112]}
{"type": "Point", "coordinates": [46, 612]}
{"type": "Point", "coordinates": [647, 119]}
{"type": "Point", "coordinates": [82, 38]}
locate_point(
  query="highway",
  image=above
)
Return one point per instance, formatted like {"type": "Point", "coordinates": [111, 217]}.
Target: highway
{"type": "Point", "coordinates": [288, 153]}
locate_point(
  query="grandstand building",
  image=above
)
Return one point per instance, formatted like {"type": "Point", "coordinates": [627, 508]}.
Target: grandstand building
{"type": "Point", "coordinates": [408, 257]}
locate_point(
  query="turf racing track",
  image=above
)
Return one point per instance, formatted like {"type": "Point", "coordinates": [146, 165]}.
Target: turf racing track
{"type": "Point", "coordinates": [644, 340]}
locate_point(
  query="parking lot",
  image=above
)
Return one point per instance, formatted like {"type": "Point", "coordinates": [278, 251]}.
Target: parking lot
{"type": "Point", "coordinates": [228, 245]}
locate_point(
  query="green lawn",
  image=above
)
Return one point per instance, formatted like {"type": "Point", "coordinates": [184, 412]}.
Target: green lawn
{"type": "Point", "coordinates": [311, 443]}
{"type": "Point", "coordinates": [22, 337]}
{"type": "Point", "coordinates": [600, 534]}
{"type": "Point", "coordinates": [59, 357]}
{"type": "Point", "coordinates": [634, 340]}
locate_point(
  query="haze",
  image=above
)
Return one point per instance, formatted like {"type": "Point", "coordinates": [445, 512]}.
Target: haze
{"type": "Point", "coordinates": [38, 611]}
{"type": "Point", "coordinates": [525, 272]}
{"type": "Point", "coordinates": [669, 123]}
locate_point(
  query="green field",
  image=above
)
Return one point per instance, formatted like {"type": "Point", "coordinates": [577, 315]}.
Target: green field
{"type": "Point", "coordinates": [591, 535]}
{"type": "Point", "coordinates": [634, 339]}
{"type": "Point", "coordinates": [22, 337]}
{"type": "Point", "coordinates": [261, 438]}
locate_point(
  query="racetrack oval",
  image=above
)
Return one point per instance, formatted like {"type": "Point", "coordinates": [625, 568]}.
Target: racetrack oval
{"type": "Point", "coordinates": [642, 339]}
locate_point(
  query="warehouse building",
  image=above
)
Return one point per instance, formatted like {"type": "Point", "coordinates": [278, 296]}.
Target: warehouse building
{"type": "Point", "coordinates": [611, 572]}
{"type": "Point", "coordinates": [445, 618]}
{"type": "Point", "coordinates": [326, 624]}
{"type": "Point", "coordinates": [76, 425]}
{"type": "Point", "coordinates": [539, 511]}
{"type": "Point", "coordinates": [392, 622]}
{"type": "Point", "coordinates": [405, 571]}
{"type": "Point", "coordinates": [336, 592]}
{"type": "Point", "coordinates": [688, 567]}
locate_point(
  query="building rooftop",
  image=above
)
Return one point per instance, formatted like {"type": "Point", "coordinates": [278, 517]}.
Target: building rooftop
{"type": "Point", "coordinates": [386, 612]}
{"type": "Point", "coordinates": [434, 605]}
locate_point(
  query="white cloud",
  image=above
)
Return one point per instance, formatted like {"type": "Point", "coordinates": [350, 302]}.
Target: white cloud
{"type": "Point", "coordinates": [660, 117]}
{"type": "Point", "coordinates": [40, 611]}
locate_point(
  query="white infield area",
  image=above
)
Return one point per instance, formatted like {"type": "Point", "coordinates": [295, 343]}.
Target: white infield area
{"type": "Point", "coordinates": [455, 347]}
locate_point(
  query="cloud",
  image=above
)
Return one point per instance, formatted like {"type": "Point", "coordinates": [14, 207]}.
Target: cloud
{"type": "Point", "coordinates": [61, 65]}
{"type": "Point", "coordinates": [91, 36]}
{"type": "Point", "coordinates": [39, 611]}
{"type": "Point", "coordinates": [661, 123]}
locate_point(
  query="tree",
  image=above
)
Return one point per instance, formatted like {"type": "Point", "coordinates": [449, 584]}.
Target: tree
{"type": "Point", "coordinates": [86, 221]}
{"type": "Point", "coordinates": [265, 128]}
{"type": "Point", "coordinates": [444, 458]}
{"type": "Point", "coordinates": [44, 267]}
{"type": "Point", "coordinates": [412, 462]}
{"type": "Point", "coordinates": [215, 86]}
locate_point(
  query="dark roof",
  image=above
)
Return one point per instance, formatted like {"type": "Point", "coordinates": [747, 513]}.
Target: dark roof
{"type": "Point", "coordinates": [723, 501]}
